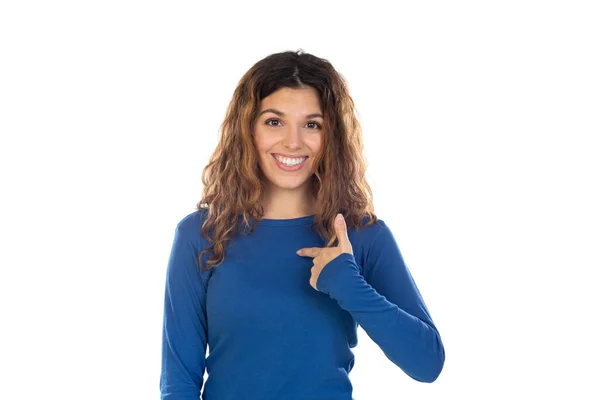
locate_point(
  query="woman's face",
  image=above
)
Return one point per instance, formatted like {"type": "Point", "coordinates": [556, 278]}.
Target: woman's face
{"type": "Point", "coordinates": [287, 136]}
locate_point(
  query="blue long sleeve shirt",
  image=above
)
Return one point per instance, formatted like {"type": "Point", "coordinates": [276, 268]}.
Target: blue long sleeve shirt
{"type": "Point", "coordinates": [270, 334]}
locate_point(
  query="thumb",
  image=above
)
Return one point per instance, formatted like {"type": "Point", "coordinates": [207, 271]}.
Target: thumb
{"type": "Point", "coordinates": [341, 231]}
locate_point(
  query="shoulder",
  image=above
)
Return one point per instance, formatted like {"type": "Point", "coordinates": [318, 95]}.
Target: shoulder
{"type": "Point", "coordinates": [192, 220]}
{"type": "Point", "coordinates": [372, 240]}
{"type": "Point", "coordinates": [365, 234]}
{"type": "Point", "coordinates": [189, 230]}
{"type": "Point", "coordinates": [190, 225]}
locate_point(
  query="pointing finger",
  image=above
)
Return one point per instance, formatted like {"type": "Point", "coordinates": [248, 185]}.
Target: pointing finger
{"type": "Point", "coordinates": [309, 252]}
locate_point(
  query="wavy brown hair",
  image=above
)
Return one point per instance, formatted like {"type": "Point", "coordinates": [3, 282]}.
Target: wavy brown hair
{"type": "Point", "coordinates": [233, 181]}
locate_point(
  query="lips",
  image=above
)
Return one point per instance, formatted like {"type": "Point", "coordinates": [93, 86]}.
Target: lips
{"type": "Point", "coordinates": [289, 156]}
{"type": "Point", "coordinates": [289, 168]}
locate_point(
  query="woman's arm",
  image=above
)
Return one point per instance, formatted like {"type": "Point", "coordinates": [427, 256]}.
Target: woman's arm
{"type": "Point", "coordinates": [387, 304]}
{"type": "Point", "coordinates": [184, 322]}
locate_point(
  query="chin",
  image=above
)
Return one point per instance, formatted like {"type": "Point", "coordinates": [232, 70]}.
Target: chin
{"type": "Point", "coordinates": [288, 185]}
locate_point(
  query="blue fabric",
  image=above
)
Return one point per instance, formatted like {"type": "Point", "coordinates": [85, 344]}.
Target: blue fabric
{"type": "Point", "coordinates": [273, 336]}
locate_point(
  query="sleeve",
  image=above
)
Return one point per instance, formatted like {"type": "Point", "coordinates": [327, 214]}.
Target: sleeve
{"type": "Point", "coordinates": [387, 304]}
{"type": "Point", "coordinates": [184, 335]}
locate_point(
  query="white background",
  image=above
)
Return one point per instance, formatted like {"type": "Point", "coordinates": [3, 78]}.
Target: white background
{"type": "Point", "coordinates": [481, 124]}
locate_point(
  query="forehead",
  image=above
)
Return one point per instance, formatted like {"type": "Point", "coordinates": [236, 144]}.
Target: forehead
{"type": "Point", "coordinates": [288, 99]}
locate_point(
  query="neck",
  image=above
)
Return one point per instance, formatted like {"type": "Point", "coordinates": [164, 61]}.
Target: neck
{"type": "Point", "coordinates": [287, 204]}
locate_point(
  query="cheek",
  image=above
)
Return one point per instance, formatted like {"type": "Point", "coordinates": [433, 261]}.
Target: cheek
{"type": "Point", "coordinates": [315, 144]}
{"type": "Point", "coordinates": [263, 142]}
{"type": "Point", "coordinates": [315, 148]}
{"type": "Point", "coordinates": [259, 143]}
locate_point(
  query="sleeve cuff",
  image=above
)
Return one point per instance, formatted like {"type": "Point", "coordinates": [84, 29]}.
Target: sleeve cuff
{"type": "Point", "coordinates": [334, 277]}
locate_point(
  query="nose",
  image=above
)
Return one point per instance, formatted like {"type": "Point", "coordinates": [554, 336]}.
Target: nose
{"type": "Point", "coordinates": [292, 138]}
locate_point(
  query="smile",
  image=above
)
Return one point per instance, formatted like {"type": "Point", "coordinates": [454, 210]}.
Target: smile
{"type": "Point", "coordinates": [289, 164]}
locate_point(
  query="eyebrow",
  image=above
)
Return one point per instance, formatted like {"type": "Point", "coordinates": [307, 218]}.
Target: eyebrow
{"type": "Point", "coordinates": [282, 114]}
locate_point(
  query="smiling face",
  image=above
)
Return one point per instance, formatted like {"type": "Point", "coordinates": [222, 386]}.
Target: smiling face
{"type": "Point", "coordinates": [288, 136]}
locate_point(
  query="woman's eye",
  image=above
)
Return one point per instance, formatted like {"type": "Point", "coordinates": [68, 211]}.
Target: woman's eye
{"type": "Point", "coordinates": [315, 125]}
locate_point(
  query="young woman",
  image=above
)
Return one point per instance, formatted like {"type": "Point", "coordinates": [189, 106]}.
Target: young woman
{"type": "Point", "coordinates": [265, 275]}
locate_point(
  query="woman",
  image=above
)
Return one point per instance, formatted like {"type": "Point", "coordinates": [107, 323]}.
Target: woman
{"type": "Point", "coordinates": [262, 274]}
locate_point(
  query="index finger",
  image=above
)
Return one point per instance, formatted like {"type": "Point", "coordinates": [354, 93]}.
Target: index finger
{"type": "Point", "coordinates": [309, 252]}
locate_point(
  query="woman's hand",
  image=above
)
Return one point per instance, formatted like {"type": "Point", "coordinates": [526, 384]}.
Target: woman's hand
{"type": "Point", "coordinates": [323, 255]}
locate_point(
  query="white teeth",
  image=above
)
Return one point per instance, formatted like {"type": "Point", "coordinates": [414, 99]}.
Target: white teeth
{"type": "Point", "coordinates": [290, 161]}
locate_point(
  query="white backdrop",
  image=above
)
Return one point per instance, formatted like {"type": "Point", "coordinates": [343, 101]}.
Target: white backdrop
{"type": "Point", "coordinates": [480, 121]}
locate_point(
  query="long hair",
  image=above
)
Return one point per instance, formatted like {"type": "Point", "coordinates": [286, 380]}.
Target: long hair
{"type": "Point", "coordinates": [233, 181]}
